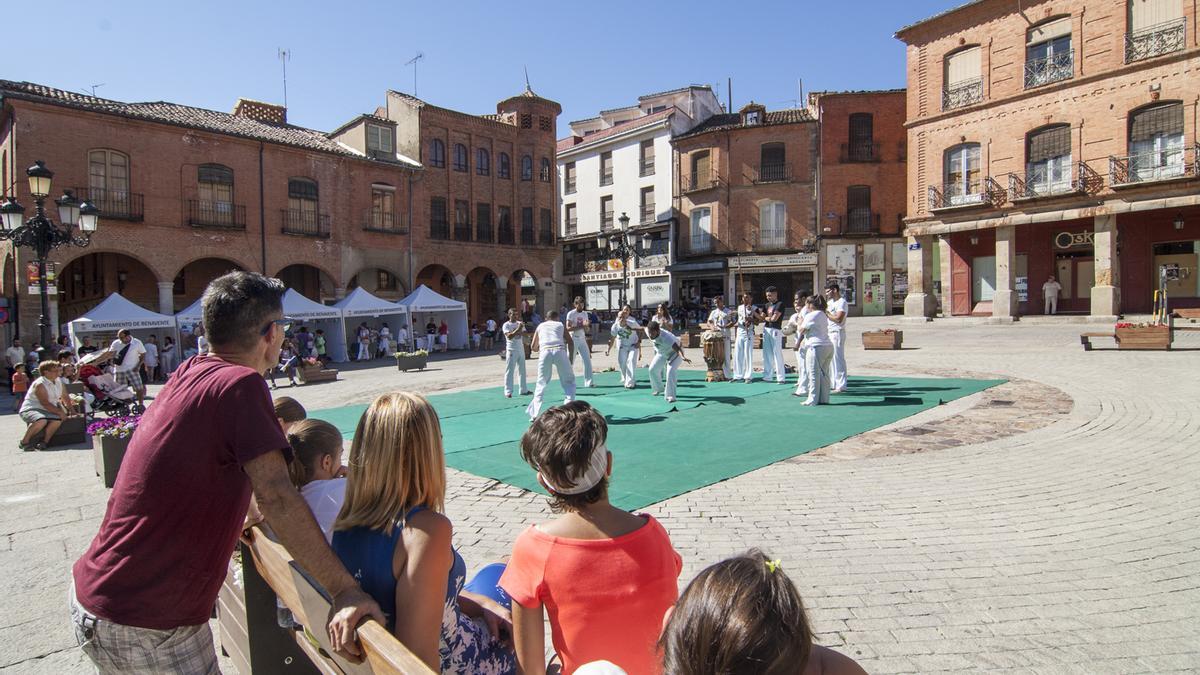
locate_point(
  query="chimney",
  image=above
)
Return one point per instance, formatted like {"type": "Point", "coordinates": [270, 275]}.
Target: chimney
{"type": "Point", "coordinates": [268, 113]}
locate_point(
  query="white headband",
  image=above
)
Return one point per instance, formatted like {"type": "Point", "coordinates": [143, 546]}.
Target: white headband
{"type": "Point", "coordinates": [592, 475]}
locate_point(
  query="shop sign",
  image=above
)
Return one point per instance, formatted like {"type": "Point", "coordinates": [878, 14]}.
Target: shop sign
{"type": "Point", "coordinates": [1022, 286]}
{"type": "Point", "coordinates": [614, 276]}
{"type": "Point", "coordinates": [1066, 240]}
{"type": "Point", "coordinates": [653, 291]}
{"type": "Point", "coordinates": [788, 260]}
{"type": "Point", "coordinates": [597, 296]}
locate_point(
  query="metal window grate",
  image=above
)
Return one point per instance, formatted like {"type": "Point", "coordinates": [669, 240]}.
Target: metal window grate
{"type": "Point", "coordinates": [1156, 121]}
{"type": "Point", "coordinates": [1048, 143]}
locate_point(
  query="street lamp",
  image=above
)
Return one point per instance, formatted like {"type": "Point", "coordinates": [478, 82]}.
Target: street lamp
{"type": "Point", "coordinates": [623, 244]}
{"type": "Point", "coordinates": [42, 235]}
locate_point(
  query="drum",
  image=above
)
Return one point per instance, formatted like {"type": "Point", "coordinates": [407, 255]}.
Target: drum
{"type": "Point", "coordinates": [714, 356]}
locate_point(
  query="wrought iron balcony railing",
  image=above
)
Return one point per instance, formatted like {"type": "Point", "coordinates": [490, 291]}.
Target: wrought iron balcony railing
{"type": "Point", "coordinates": [114, 204]}
{"type": "Point", "coordinates": [572, 226]}
{"type": "Point", "coordinates": [860, 152]}
{"type": "Point", "coordinates": [957, 195]}
{"type": "Point", "coordinates": [700, 244]}
{"type": "Point", "coordinates": [648, 215]}
{"type": "Point", "coordinates": [773, 172]}
{"type": "Point", "coordinates": [1038, 184]}
{"type": "Point", "coordinates": [963, 93]}
{"type": "Point", "coordinates": [861, 221]}
{"type": "Point", "coordinates": [771, 240]}
{"type": "Point", "coordinates": [646, 168]}
{"type": "Point", "coordinates": [483, 232]}
{"type": "Point", "coordinates": [383, 221]}
{"type": "Point", "coordinates": [439, 229]}
{"type": "Point", "coordinates": [606, 178]}
{"type": "Point", "coordinates": [1151, 167]}
{"type": "Point", "coordinates": [462, 231]}
{"type": "Point", "coordinates": [695, 182]}
{"type": "Point", "coordinates": [569, 186]}
{"type": "Point", "coordinates": [504, 234]}
{"type": "Point", "coordinates": [1155, 40]}
{"type": "Point", "coordinates": [1049, 69]}
{"type": "Point", "coordinates": [527, 236]}
{"type": "Point", "coordinates": [225, 215]}
{"type": "Point", "coordinates": [306, 223]}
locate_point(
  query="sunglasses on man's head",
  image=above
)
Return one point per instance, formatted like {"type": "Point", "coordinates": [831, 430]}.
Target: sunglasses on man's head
{"type": "Point", "coordinates": [285, 324]}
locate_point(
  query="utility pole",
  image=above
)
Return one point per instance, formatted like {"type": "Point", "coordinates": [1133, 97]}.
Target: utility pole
{"type": "Point", "coordinates": [413, 62]}
{"type": "Point", "coordinates": [284, 56]}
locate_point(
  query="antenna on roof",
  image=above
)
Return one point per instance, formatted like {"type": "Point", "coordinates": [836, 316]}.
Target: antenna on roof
{"type": "Point", "coordinates": [284, 56]}
{"type": "Point", "coordinates": [93, 88]}
{"type": "Point", "coordinates": [413, 62]}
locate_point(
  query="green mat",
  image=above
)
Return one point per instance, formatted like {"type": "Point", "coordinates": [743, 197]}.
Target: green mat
{"type": "Point", "coordinates": [714, 431]}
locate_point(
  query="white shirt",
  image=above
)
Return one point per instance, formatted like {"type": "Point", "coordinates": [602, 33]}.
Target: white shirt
{"type": "Point", "coordinates": [835, 306]}
{"type": "Point", "coordinates": [402, 336]}
{"type": "Point", "coordinates": [797, 320]}
{"type": "Point", "coordinates": [151, 354]}
{"type": "Point", "coordinates": [550, 335]}
{"type": "Point", "coordinates": [718, 318]}
{"type": "Point", "coordinates": [324, 498]}
{"type": "Point", "coordinates": [576, 319]}
{"type": "Point", "coordinates": [664, 321]}
{"type": "Point", "coordinates": [384, 332]}
{"type": "Point", "coordinates": [202, 344]}
{"type": "Point", "coordinates": [491, 325]}
{"type": "Point", "coordinates": [745, 317]}
{"type": "Point", "coordinates": [515, 341]}
{"type": "Point", "coordinates": [54, 391]}
{"type": "Point", "coordinates": [136, 349]}
{"type": "Point", "coordinates": [1050, 289]}
{"type": "Point", "coordinates": [15, 355]}
{"type": "Point", "coordinates": [626, 333]}
{"type": "Point", "coordinates": [664, 344]}
{"type": "Point", "coordinates": [816, 329]}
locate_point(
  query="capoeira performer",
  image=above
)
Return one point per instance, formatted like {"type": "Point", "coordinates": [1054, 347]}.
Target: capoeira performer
{"type": "Point", "coordinates": [772, 341]}
{"type": "Point", "coordinates": [743, 355]}
{"type": "Point", "coordinates": [667, 355]}
{"type": "Point", "coordinates": [550, 344]}
{"type": "Point", "coordinates": [514, 353]}
{"type": "Point", "coordinates": [836, 311]}
{"type": "Point", "coordinates": [722, 319]}
{"type": "Point", "coordinates": [819, 356]}
{"type": "Point", "coordinates": [625, 332]}
{"type": "Point", "coordinates": [797, 322]}
{"type": "Point", "coordinates": [580, 324]}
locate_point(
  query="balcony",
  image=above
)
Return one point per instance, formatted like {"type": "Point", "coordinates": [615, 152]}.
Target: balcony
{"type": "Point", "coordinates": [527, 238]}
{"type": "Point", "coordinates": [222, 215]}
{"type": "Point", "coordinates": [483, 232]}
{"type": "Point", "coordinates": [1154, 167]}
{"type": "Point", "coordinates": [606, 221]}
{"type": "Point", "coordinates": [606, 178]}
{"type": "Point", "coordinates": [305, 223]}
{"type": "Point", "coordinates": [462, 231]}
{"type": "Point", "coordinates": [383, 222]}
{"type": "Point", "coordinates": [695, 182]}
{"type": "Point", "coordinates": [959, 195]}
{"type": "Point", "coordinates": [504, 234]}
{"type": "Point", "coordinates": [113, 204]}
{"type": "Point", "coordinates": [962, 94]}
{"type": "Point", "coordinates": [569, 186]}
{"type": "Point", "coordinates": [860, 152]}
{"type": "Point", "coordinates": [1053, 68]}
{"type": "Point", "coordinates": [647, 215]}
{"type": "Point", "coordinates": [1038, 185]}
{"type": "Point", "coordinates": [572, 226]}
{"type": "Point", "coordinates": [646, 168]}
{"type": "Point", "coordinates": [1163, 38]}
{"type": "Point", "coordinates": [773, 172]}
{"type": "Point", "coordinates": [701, 244]}
{"type": "Point", "coordinates": [861, 221]}
{"type": "Point", "coordinates": [439, 229]}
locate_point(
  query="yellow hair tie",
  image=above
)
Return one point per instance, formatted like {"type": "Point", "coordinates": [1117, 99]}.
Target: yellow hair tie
{"type": "Point", "coordinates": [773, 565]}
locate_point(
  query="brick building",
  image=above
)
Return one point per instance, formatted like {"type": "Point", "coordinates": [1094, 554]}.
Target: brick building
{"type": "Point", "coordinates": [860, 190]}
{"type": "Point", "coordinates": [1053, 138]}
{"type": "Point", "coordinates": [745, 194]}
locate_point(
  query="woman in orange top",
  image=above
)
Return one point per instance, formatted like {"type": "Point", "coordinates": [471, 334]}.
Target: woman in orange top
{"type": "Point", "coordinates": [20, 385]}
{"type": "Point", "coordinates": [603, 575]}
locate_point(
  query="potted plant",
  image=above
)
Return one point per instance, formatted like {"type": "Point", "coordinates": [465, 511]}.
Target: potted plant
{"type": "Point", "coordinates": [1143, 335]}
{"type": "Point", "coordinates": [888, 338]}
{"type": "Point", "coordinates": [407, 361]}
{"type": "Point", "coordinates": [110, 438]}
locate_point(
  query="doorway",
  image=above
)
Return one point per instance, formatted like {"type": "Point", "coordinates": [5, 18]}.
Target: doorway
{"type": "Point", "coordinates": [1076, 273]}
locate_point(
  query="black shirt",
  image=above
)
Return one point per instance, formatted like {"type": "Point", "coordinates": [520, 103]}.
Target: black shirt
{"type": "Point", "coordinates": [770, 308]}
{"type": "Point", "coordinates": [87, 350]}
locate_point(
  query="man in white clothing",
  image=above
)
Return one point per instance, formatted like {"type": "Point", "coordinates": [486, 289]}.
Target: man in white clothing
{"type": "Point", "coordinates": [668, 353]}
{"type": "Point", "coordinates": [1050, 291]}
{"type": "Point", "coordinates": [579, 323]}
{"type": "Point", "coordinates": [514, 353]}
{"type": "Point", "coordinates": [799, 302]}
{"type": "Point", "coordinates": [401, 339]}
{"type": "Point", "coordinates": [489, 333]}
{"type": "Point", "coordinates": [836, 311]}
{"type": "Point", "coordinates": [550, 344]}
{"type": "Point", "coordinates": [772, 341]}
{"type": "Point", "coordinates": [721, 319]}
{"type": "Point", "coordinates": [624, 330]}
{"type": "Point", "coordinates": [743, 353]}
{"type": "Point", "coordinates": [129, 352]}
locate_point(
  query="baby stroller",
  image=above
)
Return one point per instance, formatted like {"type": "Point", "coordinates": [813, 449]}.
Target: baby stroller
{"type": "Point", "coordinates": [110, 398]}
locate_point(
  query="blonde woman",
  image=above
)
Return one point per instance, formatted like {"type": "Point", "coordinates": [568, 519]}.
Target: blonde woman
{"type": "Point", "coordinates": [392, 536]}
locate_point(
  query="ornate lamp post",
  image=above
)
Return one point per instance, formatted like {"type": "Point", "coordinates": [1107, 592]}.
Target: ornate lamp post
{"type": "Point", "coordinates": [42, 235]}
{"type": "Point", "coordinates": [623, 244]}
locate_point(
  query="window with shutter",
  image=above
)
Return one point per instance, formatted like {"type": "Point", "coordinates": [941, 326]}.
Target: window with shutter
{"type": "Point", "coordinates": [962, 175]}
{"type": "Point", "coordinates": [1048, 159]}
{"type": "Point", "coordinates": [1156, 142]}
{"type": "Point", "coordinates": [963, 78]}
{"type": "Point", "coordinates": [772, 224]}
{"type": "Point", "coordinates": [1156, 27]}
{"type": "Point", "coordinates": [701, 230]}
{"type": "Point", "coordinates": [858, 209]}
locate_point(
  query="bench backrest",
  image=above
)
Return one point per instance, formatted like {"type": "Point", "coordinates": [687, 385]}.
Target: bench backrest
{"type": "Point", "coordinates": [309, 604]}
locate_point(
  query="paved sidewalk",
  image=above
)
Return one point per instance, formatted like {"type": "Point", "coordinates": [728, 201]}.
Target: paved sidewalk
{"type": "Point", "coordinates": [1072, 546]}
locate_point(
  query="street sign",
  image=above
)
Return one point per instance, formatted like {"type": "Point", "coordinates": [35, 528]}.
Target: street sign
{"type": "Point", "coordinates": [915, 246]}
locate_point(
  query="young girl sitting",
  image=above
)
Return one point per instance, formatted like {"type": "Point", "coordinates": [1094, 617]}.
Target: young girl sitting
{"type": "Point", "coordinates": [392, 536]}
{"type": "Point", "coordinates": [317, 470]}
{"type": "Point", "coordinates": [743, 616]}
{"type": "Point", "coordinates": [604, 576]}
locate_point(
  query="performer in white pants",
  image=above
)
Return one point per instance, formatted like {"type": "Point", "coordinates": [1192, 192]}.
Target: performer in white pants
{"type": "Point", "coordinates": [551, 346]}
{"type": "Point", "coordinates": [743, 353]}
{"type": "Point", "coordinates": [772, 344]}
{"type": "Point", "coordinates": [836, 311]}
{"type": "Point", "coordinates": [667, 356]}
{"type": "Point", "coordinates": [800, 303]}
{"type": "Point", "coordinates": [625, 331]}
{"type": "Point", "coordinates": [514, 353]}
{"type": "Point", "coordinates": [579, 323]}
{"type": "Point", "coordinates": [819, 357]}
{"type": "Point", "coordinates": [722, 319]}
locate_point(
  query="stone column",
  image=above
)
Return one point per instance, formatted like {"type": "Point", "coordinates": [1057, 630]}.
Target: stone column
{"type": "Point", "coordinates": [339, 292]}
{"type": "Point", "coordinates": [501, 299]}
{"type": "Point", "coordinates": [1106, 294]}
{"type": "Point", "coordinates": [920, 301]}
{"type": "Point", "coordinates": [1005, 301]}
{"type": "Point", "coordinates": [946, 272]}
{"type": "Point", "coordinates": [166, 298]}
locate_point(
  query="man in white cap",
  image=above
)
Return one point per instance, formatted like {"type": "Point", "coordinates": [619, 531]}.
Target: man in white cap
{"type": "Point", "coordinates": [667, 355]}
{"type": "Point", "coordinates": [579, 322]}
{"type": "Point", "coordinates": [549, 343]}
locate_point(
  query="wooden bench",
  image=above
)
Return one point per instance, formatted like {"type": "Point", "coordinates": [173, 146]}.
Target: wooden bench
{"type": "Point", "coordinates": [313, 374]}
{"type": "Point", "coordinates": [1086, 338]}
{"type": "Point", "coordinates": [267, 562]}
{"type": "Point", "coordinates": [1190, 314]}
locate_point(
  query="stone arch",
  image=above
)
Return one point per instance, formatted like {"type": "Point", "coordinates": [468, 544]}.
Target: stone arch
{"type": "Point", "coordinates": [523, 293]}
{"type": "Point", "coordinates": [372, 278]}
{"type": "Point", "coordinates": [439, 278]}
{"type": "Point", "coordinates": [193, 277]}
{"type": "Point", "coordinates": [90, 278]}
{"type": "Point", "coordinates": [483, 301]}
{"type": "Point", "coordinates": [311, 281]}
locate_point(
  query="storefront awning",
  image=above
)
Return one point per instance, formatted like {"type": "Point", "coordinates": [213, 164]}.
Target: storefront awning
{"type": "Point", "coordinates": [697, 266]}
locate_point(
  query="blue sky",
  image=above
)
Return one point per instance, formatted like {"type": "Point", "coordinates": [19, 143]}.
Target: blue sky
{"type": "Point", "coordinates": [587, 56]}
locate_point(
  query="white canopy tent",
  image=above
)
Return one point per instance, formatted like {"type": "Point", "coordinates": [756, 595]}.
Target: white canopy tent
{"type": "Point", "coordinates": [328, 319]}
{"type": "Point", "coordinates": [116, 312]}
{"type": "Point", "coordinates": [425, 304]}
{"type": "Point", "coordinates": [361, 305]}
{"type": "Point", "coordinates": [191, 316]}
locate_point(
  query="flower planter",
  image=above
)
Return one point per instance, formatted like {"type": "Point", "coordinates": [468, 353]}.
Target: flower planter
{"type": "Point", "coordinates": [882, 339]}
{"type": "Point", "coordinates": [108, 452]}
{"type": "Point", "coordinates": [310, 374]}
{"type": "Point", "coordinates": [1143, 337]}
{"type": "Point", "coordinates": [407, 363]}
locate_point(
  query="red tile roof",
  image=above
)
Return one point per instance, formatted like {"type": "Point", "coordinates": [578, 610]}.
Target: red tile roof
{"type": "Point", "coordinates": [571, 142]}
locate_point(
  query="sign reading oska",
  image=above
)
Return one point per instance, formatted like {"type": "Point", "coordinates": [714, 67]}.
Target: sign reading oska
{"type": "Point", "coordinates": [1068, 240]}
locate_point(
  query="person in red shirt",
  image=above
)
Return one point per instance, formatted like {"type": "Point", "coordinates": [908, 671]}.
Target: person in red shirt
{"type": "Point", "coordinates": [605, 577]}
{"type": "Point", "coordinates": [143, 592]}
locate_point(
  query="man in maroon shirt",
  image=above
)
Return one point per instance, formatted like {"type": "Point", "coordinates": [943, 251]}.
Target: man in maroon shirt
{"type": "Point", "coordinates": [143, 592]}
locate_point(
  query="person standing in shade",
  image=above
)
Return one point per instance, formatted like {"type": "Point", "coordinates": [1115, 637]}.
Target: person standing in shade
{"type": "Point", "coordinates": [743, 353]}
{"type": "Point", "coordinates": [668, 354]}
{"type": "Point", "coordinates": [836, 310]}
{"type": "Point", "coordinates": [1050, 291]}
{"type": "Point", "coordinates": [800, 304]}
{"type": "Point", "coordinates": [772, 343]}
{"type": "Point", "coordinates": [819, 351]}
{"type": "Point", "coordinates": [151, 362]}
{"type": "Point", "coordinates": [87, 347]}
{"type": "Point", "coordinates": [402, 338]}
{"type": "Point", "coordinates": [129, 353]}
{"type": "Point", "coordinates": [489, 334]}
{"type": "Point", "coordinates": [14, 356]}
{"type": "Point", "coordinates": [721, 318]}
{"type": "Point", "coordinates": [385, 341]}
{"type": "Point", "coordinates": [580, 323]}
{"type": "Point", "coordinates": [514, 353]}
{"type": "Point", "coordinates": [624, 331]}
{"type": "Point", "coordinates": [550, 344]}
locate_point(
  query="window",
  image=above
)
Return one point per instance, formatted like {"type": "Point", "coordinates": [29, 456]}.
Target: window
{"type": "Point", "coordinates": [1048, 55]}
{"type": "Point", "coordinates": [544, 174]}
{"type": "Point", "coordinates": [504, 228]}
{"type": "Point", "coordinates": [646, 163]}
{"type": "Point", "coordinates": [505, 167]}
{"type": "Point", "coordinates": [648, 212]}
{"type": "Point", "coordinates": [546, 236]}
{"type": "Point", "coordinates": [108, 182]}
{"type": "Point", "coordinates": [858, 209]}
{"type": "Point", "coordinates": [701, 169]}
{"type": "Point", "coordinates": [1156, 27]}
{"type": "Point", "coordinates": [437, 154]}
{"type": "Point", "coordinates": [379, 140]}
{"type": "Point", "coordinates": [572, 220]}
{"type": "Point", "coordinates": [527, 226]}
{"type": "Point", "coordinates": [526, 167]}
{"type": "Point", "coordinates": [545, 123]}
{"type": "Point", "coordinates": [963, 81]}
{"type": "Point", "coordinates": [215, 183]}
{"type": "Point", "coordinates": [701, 234]}
{"type": "Point", "coordinates": [386, 281]}
{"type": "Point", "coordinates": [438, 228]}
{"type": "Point", "coordinates": [606, 213]}
{"type": "Point", "coordinates": [1048, 159]}
{"type": "Point", "coordinates": [1156, 142]}
{"type": "Point", "coordinates": [383, 207]}
{"type": "Point", "coordinates": [962, 175]}
{"type": "Point", "coordinates": [462, 220]}
{"type": "Point", "coordinates": [526, 121]}
{"type": "Point", "coordinates": [773, 163]}
{"type": "Point", "coordinates": [483, 222]}
{"type": "Point", "coordinates": [483, 162]}
{"type": "Point", "coordinates": [861, 146]}
{"type": "Point", "coordinates": [772, 225]}
{"type": "Point", "coordinates": [606, 168]}
{"type": "Point", "coordinates": [301, 216]}
{"type": "Point", "coordinates": [460, 157]}
{"type": "Point", "coordinates": [752, 117]}
{"type": "Point", "coordinates": [569, 178]}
